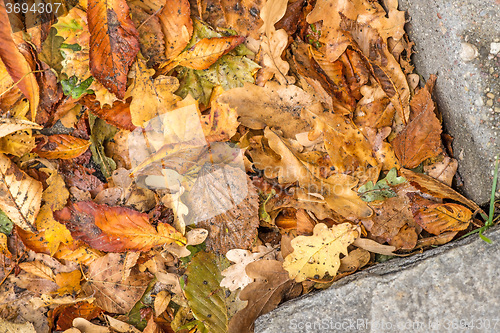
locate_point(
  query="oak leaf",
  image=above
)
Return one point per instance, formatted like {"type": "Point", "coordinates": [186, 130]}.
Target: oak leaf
{"type": "Point", "coordinates": [62, 146]}
{"type": "Point", "coordinates": [111, 292]}
{"type": "Point", "coordinates": [115, 229]}
{"type": "Point", "coordinates": [315, 256]}
{"type": "Point", "coordinates": [113, 43]}
{"type": "Point", "coordinates": [20, 195]}
{"type": "Point", "coordinates": [271, 284]}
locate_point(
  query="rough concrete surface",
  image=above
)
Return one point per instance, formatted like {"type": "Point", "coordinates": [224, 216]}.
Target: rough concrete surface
{"type": "Point", "coordinates": [467, 92]}
{"type": "Point", "coordinates": [453, 288]}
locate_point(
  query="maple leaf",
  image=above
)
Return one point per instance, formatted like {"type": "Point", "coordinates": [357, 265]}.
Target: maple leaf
{"type": "Point", "coordinates": [315, 256]}
{"type": "Point", "coordinates": [16, 63]}
{"type": "Point", "coordinates": [106, 282]}
{"type": "Point", "coordinates": [151, 97]}
{"type": "Point", "coordinates": [20, 194]}
{"type": "Point", "coordinates": [113, 43]}
{"type": "Point", "coordinates": [115, 229]}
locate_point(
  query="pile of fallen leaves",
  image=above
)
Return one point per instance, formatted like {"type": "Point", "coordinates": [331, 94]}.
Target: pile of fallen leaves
{"type": "Point", "coordinates": [185, 166]}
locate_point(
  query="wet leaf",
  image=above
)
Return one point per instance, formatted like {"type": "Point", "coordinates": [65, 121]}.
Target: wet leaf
{"type": "Point", "coordinates": [113, 43]}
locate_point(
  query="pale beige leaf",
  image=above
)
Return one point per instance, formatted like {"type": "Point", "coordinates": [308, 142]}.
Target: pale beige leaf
{"type": "Point", "coordinates": [85, 326]}
{"type": "Point", "coordinates": [39, 269]}
{"type": "Point", "coordinates": [161, 302]}
{"type": "Point", "coordinates": [120, 326]}
{"type": "Point", "coordinates": [271, 13]}
{"type": "Point", "coordinates": [372, 246]}
{"type": "Point", "coordinates": [9, 327]}
{"type": "Point", "coordinates": [11, 125]}
{"type": "Point", "coordinates": [20, 195]}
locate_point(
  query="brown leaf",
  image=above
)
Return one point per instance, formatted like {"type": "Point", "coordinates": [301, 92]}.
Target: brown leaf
{"type": "Point", "coordinates": [39, 269]}
{"type": "Point", "coordinates": [16, 64]}
{"type": "Point", "coordinates": [435, 188]}
{"type": "Point", "coordinates": [104, 282]}
{"type": "Point", "coordinates": [65, 314]}
{"type": "Point", "coordinates": [115, 229]}
{"type": "Point", "coordinates": [263, 295]}
{"type": "Point", "coordinates": [406, 239]}
{"type": "Point", "coordinates": [117, 115]}
{"type": "Point", "coordinates": [113, 43]}
{"type": "Point", "coordinates": [421, 138]}
{"type": "Point", "coordinates": [61, 146]}
{"type": "Point", "coordinates": [441, 218]}
{"type": "Point", "coordinates": [176, 25]}
{"type": "Point", "coordinates": [204, 53]}
{"type": "Point", "coordinates": [237, 227]}
{"type": "Point", "coordinates": [20, 195]}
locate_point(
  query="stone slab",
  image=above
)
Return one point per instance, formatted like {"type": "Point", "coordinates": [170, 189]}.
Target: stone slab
{"type": "Point", "coordinates": [467, 92]}
{"type": "Point", "coordinates": [453, 288]}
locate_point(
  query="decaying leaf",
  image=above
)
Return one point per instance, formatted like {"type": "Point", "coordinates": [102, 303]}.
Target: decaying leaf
{"type": "Point", "coordinates": [315, 256]}
{"type": "Point", "coordinates": [113, 43]}
{"type": "Point", "coordinates": [20, 195]}
{"type": "Point", "coordinates": [111, 292]}
{"type": "Point", "coordinates": [441, 218]}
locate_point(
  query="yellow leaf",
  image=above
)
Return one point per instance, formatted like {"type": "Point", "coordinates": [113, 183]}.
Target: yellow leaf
{"type": "Point", "coordinates": [20, 195]}
{"type": "Point", "coordinates": [204, 53]}
{"type": "Point", "coordinates": [151, 97]}
{"type": "Point", "coordinates": [3, 245]}
{"type": "Point", "coordinates": [161, 302]}
{"type": "Point", "coordinates": [316, 255]}
{"type": "Point", "coordinates": [11, 125]}
{"type": "Point", "coordinates": [55, 233]}
{"type": "Point", "coordinates": [56, 194]}
{"type": "Point", "coordinates": [39, 269]}
{"type": "Point", "coordinates": [441, 218]}
{"type": "Point", "coordinates": [69, 282]}
{"type": "Point", "coordinates": [18, 143]}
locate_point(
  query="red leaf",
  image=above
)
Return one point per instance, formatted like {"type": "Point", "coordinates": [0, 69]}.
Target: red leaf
{"type": "Point", "coordinates": [115, 229]}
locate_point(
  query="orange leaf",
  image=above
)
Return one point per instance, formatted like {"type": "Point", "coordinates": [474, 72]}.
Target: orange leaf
{"type": "Point", "coordinates": [117, 115]}
{"type": "Point", "coordinates": [204, 53]}
{"type": "Point", "coordinates": [16, 64]}
{"type": "Point", "coordinates": [113, 43]}
{"type": "Point", "coordinates": [65, 314]}
{"type": "Point", "coordinates": [61, 146]}
{"type": "Point", "coordinates": [68, 282]}
{"type": "Point", "coordinates": [421, 138]}
{"type": "Point", "coordinates": [441, 218]}
{"type": "Point", "coordinates": [39, 269]}
{"type": "Point", "coordinates": [176, 26]}
{"type": "Point", "coordinates": [115, 229]}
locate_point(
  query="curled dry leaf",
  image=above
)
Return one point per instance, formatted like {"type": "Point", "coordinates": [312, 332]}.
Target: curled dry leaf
{"type": "Point", "coordinates": [111, 292]}
{"type": "Point", "coordinates": [61, 146]}
{"type": "Point", "coordinates": [315, 256]}
{"type": "Point", "coordinates": [11, 125]}
{"type": "Point", "coordinates": [442, 218]}
{"type": "Point", "coordinates": [113, 43]}
{"type": "Point", "coordinates": [115, 229]}
{"type": "Point", "coordinates": [20, 195]}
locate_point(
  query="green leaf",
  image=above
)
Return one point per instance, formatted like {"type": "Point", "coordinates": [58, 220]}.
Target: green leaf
{"type": "Point", "coordinates": [382, 189]}
{"type": "Point", "coordinates": [72, 47]}
{"type": "Point", "coordinates": [51, 51]}
{"type": "Point", "coordinates": [76, 89]}
{"type": "Point", "coordinates": [6, 224]}
{"type": "Point", "coordinates": [100, 133]}
{"type": "Point", "coordinates": [263, 215]}
{"type": "Point", "coordinates": [207, 300]}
